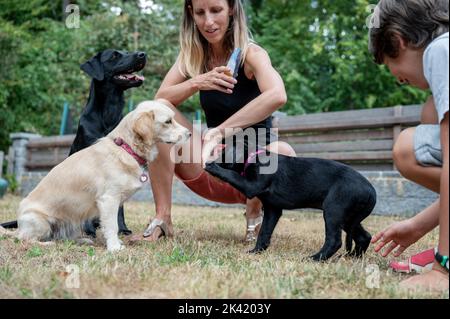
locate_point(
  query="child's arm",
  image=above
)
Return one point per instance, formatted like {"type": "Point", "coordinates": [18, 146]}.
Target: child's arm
{"type": "Point", "coordinates": [444, 207]}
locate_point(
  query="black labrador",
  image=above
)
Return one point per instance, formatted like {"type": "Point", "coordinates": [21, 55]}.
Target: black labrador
{"type": "Point", "coordinates": [112, 72]}
{"type": "Point", "coordinates": [345, 196]}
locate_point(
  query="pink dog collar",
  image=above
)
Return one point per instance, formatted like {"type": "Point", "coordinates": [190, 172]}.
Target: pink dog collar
{"type": "Point", "coordinates": [141, 161]}
{"type": "Point", "coordinates": [250, 159]}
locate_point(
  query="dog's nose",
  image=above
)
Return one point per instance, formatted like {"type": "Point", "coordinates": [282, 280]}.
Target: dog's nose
{"type": "Point", "coordinates": [141, 55]}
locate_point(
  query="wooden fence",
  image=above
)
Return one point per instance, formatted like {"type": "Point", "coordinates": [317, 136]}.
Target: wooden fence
{"type": "Point", "coordinates": [361, 138]}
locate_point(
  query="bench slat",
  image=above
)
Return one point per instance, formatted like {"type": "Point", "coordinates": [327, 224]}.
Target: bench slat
{"type": "Point", "coordinates": [47, 166]}
{"type": "Point", "coordinates": [408, 110]}
{"type": "Point", "coordinates": [52, 141]}
{"type": "Point", "coordinates": [353, 156]}
{"type": "Point", "coordinates": [380, 145]}
{"type": "Point", "coordinates": [338, 136]}
{"type": "Point", "coordinates": [286, 127]}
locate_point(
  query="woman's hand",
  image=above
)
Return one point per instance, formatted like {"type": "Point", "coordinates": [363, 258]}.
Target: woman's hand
{"type": "Point", "coordinates": [215, 80]}
{"type": "Point", "coordinates": [399, 235]}
{"type": "Point", "coordinates": [211, 146]}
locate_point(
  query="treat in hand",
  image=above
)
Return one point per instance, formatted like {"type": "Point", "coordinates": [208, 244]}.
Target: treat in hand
{"type": "Point", "coordinates": [233, 63]}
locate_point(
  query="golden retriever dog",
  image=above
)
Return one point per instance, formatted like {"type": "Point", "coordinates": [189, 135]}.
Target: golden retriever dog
{"type": "Point", "coordinates": [95, 181]}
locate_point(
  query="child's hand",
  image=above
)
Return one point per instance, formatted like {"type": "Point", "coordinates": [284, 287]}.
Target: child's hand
{"type": "Point", "coordinates": [399, 235]}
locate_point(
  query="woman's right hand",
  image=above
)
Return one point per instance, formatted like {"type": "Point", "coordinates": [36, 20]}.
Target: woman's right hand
{"type": "Point", "coordinates": [399, 235]}
{"type": "Point", "coordinates": [215, 79]}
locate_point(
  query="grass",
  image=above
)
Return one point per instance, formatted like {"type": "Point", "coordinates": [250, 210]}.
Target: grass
{"type": "Point", "coordinates": [206, 259]}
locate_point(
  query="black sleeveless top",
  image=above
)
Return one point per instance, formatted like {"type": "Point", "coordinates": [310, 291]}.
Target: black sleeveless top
{"type": "Point", "coordinates": [219, 106]}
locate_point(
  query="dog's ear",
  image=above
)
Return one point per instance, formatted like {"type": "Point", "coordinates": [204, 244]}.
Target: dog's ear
{"type": "Point", "coordinates": [143, 126]}
{"type": "Point", "coordinates": [94, 67]}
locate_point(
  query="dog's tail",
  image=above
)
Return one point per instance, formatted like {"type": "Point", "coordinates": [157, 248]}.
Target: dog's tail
{"type": "Point", "coordinates": [7, 233]}
{"type": "Point", "coordinates": [11, 224]}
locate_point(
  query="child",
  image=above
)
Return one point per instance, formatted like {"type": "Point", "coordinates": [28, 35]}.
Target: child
{"type": "Point", "coordinates": [411, 38]}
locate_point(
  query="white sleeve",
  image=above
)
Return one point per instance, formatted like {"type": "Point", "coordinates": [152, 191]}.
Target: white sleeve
{"type": "Point", "coordinates": [436, 70]}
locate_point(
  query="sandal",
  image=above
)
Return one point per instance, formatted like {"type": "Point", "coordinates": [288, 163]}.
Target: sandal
{"type": "Point", "coordinates": [419, 263]}
{"type": "Point", "coordinates": [253, 227]}
{"type": "Point", "coordinates": [154, 224]}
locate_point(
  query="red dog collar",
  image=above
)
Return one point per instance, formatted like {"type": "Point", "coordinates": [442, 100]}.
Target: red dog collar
{"type": "Point", "coordinates": [141, 161]}
{"type": "Point", "coordinates": [120, 142]}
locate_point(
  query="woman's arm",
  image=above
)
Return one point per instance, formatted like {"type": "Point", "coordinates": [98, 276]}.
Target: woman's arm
{"type": "Point", "coordinates": [273, 93]}
{"type": "Point", "coordinates": [175, 88]}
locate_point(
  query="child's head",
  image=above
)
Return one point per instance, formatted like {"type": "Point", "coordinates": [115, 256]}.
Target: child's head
{"type": "Point", "coordinates": [402, 30]}
{"type": "Point", "coordinates": [417, 22]}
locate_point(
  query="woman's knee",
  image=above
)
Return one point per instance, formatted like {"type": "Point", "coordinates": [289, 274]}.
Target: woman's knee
{"type": "Point", "coordinates": [403, 151]}
{"type": "Point", "coordinates": [282, 148]}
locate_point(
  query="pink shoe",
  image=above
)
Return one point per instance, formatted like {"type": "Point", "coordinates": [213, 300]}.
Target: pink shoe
{"type": "Point", "coordinates": [419, 263]}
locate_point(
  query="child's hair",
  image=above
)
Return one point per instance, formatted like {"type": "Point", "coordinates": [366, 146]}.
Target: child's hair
{"type": "Point", "coordinates": [418, 22]}
{"type": "Point", "coordinates": [193, 58]}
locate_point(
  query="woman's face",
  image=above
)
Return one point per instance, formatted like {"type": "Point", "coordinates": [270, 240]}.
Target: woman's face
{"type": "Point", "coordinates": [212, 18]}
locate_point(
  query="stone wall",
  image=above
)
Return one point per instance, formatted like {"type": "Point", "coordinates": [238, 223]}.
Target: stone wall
{"type": "Point", "coordinates": [19, 147]}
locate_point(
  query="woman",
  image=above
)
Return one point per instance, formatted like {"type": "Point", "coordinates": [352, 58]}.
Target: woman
{"type": "Point", "coordinates": [210, 31]}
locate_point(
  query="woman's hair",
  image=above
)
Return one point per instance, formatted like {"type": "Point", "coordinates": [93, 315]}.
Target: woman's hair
{"type": "Point", "coordinates": [418, 22]}
{"type": "Point", "coordinates": [193, 58]}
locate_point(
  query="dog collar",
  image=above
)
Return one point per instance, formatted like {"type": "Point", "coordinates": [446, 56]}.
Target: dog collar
{"type": "Point", "coordinates": [250, 159]}
{"type": "Point", "coordinates": [141, 161]}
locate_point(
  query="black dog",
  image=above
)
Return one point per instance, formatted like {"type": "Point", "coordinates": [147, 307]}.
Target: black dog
{"type": "Point", "coordinates": [112, 73]}
{"type": "Point", "coordinates": [343, 194]}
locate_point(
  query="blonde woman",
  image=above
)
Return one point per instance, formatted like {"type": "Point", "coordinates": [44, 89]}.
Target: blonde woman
{"type": "Point", "coordinates": [210, 31]}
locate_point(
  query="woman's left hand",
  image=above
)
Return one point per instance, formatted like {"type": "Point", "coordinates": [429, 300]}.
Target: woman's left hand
{"type": "Point", "coordinates": [211, 146]}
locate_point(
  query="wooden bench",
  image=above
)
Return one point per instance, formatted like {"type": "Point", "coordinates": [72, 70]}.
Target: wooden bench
{"type": "Point", "coordinates": [360, 138]}
{"type": "Point", "coordinates": [45, 153]}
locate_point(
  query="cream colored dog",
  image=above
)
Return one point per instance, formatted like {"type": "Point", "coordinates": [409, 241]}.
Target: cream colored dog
{"type": "Point", "coordinates": [95, 181]}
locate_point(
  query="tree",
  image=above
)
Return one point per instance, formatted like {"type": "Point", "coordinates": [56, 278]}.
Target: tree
{"type": "Point", "coordinates": [318, 46]}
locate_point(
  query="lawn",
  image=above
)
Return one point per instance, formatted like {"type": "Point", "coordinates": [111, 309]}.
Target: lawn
{"type": "Point", "coordinates": [206, 259]}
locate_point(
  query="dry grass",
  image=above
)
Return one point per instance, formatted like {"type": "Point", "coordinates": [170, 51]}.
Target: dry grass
{"type": "Point", "coordinates": [206, 259]}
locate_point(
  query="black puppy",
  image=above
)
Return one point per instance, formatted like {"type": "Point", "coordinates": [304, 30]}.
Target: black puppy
{"type": "Point", "coordinates": [344, 195]}
{"type": "Point", "coordinates": [112, 73]}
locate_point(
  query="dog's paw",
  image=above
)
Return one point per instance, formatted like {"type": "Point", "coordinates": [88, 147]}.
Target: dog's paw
{"type": "Point", "coordinates": [125, 231]}
{"type": "Point", "coordinates": [211, 167]}
{"type": "Point", "coordinates": [256, 250]}
{"type": "Point", "coordinates": [115, 247]}
{"type": "Point", "coordinates": [318, 257]}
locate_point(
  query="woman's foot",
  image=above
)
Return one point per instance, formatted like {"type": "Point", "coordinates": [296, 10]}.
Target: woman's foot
{"type": "Point", "coordinates": [435, 280]}
{"type": "Point", "coordinates": [155, 230]}
{"type": "Point", "coordinates": [253, 227]}
{"type": "Point", "coordinates": [254, 215]}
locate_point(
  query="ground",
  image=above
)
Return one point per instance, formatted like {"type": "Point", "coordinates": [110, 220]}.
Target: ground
{"type": "Point", "coordinates": [206, 259]}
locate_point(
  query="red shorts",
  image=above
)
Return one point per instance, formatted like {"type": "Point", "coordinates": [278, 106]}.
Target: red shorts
{"type": "Point", "coordinates": [215, 190]}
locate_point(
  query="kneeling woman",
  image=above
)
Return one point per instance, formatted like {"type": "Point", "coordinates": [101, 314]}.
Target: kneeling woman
{"type": "Point", "coordinates": [210, 31]}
